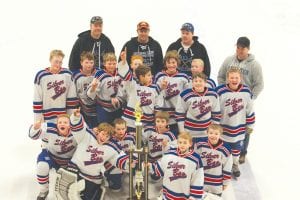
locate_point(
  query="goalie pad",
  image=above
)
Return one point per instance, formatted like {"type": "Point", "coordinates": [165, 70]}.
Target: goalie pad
{"type": "Point", "coordinates": [66, 185]}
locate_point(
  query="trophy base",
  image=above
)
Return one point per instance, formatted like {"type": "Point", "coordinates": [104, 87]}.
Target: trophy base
{"type": "Point", "coordinates": [136, 198]}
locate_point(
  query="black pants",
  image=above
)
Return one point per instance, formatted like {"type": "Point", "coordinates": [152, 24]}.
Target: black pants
{"type": "Point", "coordinates": [92, 191]}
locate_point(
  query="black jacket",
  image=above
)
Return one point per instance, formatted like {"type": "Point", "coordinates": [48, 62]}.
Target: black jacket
{"type": "Point", "coordinates": [85, 42]}
{"type": "Point", "coordinates": [150, 51]}
{"type": "Point", "coordinates": [197, 50]}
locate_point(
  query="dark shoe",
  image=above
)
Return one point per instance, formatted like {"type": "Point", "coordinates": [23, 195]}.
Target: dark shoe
{"type": "Point", "coordinates": [236, 171]}
{"type": "Point", "coordinates": [242, 159]}
{"type": "Point", "coordinates": [42, 195]}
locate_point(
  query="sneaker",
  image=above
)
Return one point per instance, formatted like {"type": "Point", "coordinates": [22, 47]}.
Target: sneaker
{"type": "Point", "coordinates": [235, 170]}
{"type": "Point", "coordinates": [42, 195]}
{"type": "Point", "coordinates": [242, 159]}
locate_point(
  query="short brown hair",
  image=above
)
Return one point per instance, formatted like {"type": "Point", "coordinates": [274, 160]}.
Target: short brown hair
{"type": "Point", "coordinates": [215, 127]}
{"type": "Point", "coordinates": [162, 115]}
{"type": "Point", "coordinates": [234, 69]}
{"type": "Point", "coordinates": [185, 135]}
{"type": "Point", "coordinates": [86, 55]}
{"type": "Point", "coordinates": [142, 70]}
{"type": "Point", "coordinates": [119, 121]}
{"type": "Point", "coordinates": [109, 57]}
{"type": "Point", "coordinates": [172, 54]}
{"type": "Point", "coordinates": [136, 57]}
{"type": "Point", "coordinates": [56, 52]}
{"type": "Point", "coordinates": [104, 126]}
{"type": "Point", "coordinates": [199, 75]}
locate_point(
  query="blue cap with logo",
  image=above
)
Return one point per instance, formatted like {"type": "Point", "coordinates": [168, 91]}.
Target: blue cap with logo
{"type": "Point", "coordinates": [187, 27]}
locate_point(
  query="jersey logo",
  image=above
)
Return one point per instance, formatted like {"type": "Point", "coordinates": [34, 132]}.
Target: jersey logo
{"type": "Point", "coordinates": [212, 160]}
{"type": "Point", "coordinates": [172, 90]}
{"type": "Point", "coordinates": [65, 146]}
{"type": "Point", "coordinates": [145, 97]}
{"type": "Point", "coordinates": [95, 156]}
{"type": "Point", "coordinates": [236, 105]}
{"type": "Point", "coordinates": [58, 87]}
{"type": "Point", "coordinates": [203, 106]}
{"type": "Point", "coordinates": [156, 144]}
{"type": "Point", "coordinates": [178, 170]}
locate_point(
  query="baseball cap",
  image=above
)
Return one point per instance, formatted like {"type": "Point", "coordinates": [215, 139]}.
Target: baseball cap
{"type": "Point", "coordinates": [143, 25]}
{"type": "Point", "coordinates": [243, 42]}
{"type": "Point", "coordinates": [96, 19]}
{"type": "Point", "coordinates": [187, 27]}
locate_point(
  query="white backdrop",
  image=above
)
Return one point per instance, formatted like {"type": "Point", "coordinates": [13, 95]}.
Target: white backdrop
{"type": "Point", "coordinates": [31, 29]}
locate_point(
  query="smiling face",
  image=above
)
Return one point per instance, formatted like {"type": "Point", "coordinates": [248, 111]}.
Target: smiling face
{"type": "Point", "coordinates": [161, 125]}
{"type": "Point", "coordinates": [102, 136]}
{"type": "Point", "coordinates": [198, 84]}
{"type": "Point", "coordinates": [213, 136]}
{"type": "Point", "coordinates": [171, 66]}
{"type": "Point", "coordinates": [63, 125]}
{"type": "Point", "coordinates": [183, 145]}
{"type": "Point", "coordinates": [234, 80]}
{"type": "Point", "coordinates": [87, 65]}
{"type": "Point", "coordinates": [110, 66]}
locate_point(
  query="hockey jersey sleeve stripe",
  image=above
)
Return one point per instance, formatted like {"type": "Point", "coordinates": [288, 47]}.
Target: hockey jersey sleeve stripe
{"type": "Point", "coordinates": [157, 169]}
{"type": "Point", "coordinates": [169, 194]}
{"type": "Point", "coordinates": [121, 162]}
{"type": "Point", "coordinates": [78, 126]}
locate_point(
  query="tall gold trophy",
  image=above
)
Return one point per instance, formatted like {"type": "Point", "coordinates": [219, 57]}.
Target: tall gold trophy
{"type": "Point", "coordinates": [141, 176]}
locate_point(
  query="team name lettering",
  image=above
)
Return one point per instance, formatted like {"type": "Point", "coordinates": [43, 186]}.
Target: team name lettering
{"type": "Point", "coordinates": [203, 106]}
{"type": "Point", "coordinates": [95, 156]}
{"type": "Point", "coordinates": [65, 145]}
{"type": "Point", "coordinates": [212, 160]}
{"type": "Point", "coordinates": [58, 87]}
{"type": "Point", "coordinates": [145, 97]}
{"type": "Point", "coordinates": [156, 144]}
{"type": "Point", "coordinates": [172, 90]}
{"type": "Point", "coordinates": [236, 105]}
{"type": "Point", "coordinates": [177, 170]}
{"type": "Point", "coordinates": [114, 84]}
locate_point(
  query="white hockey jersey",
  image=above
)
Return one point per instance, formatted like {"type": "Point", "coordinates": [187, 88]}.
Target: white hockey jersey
{"type": "Point", "coordinates": [182, 175]}
{"type": "Point", "coordinates": [54, 94]}
{"type": "Point", "coordinates": [91, 157]}
{"type": "Point", "coordinates": [107, 89]}
{"type": "Point", "coordinates": [88, 105]}
{"type": "Point", "coordinates": [210, 83]}
{"type": "Point", "coordinates": [176, 84]}
{"type": "Point", "coordinates": [217, 162]}
{"type": "Point", "coordinates": [145, 96]}
{"type": "Point", "coordinates": [237, 112]}
{"type": "Point", "coordinates": [61, 148]}
{"type": "Point", "coordinates": [195, 111]}
{"type": "Point", "coordinates": [155, 143]}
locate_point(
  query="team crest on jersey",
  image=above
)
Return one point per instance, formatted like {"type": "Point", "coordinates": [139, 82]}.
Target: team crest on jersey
{"type": "Point", "coordinates": [203, 106]}
{"type": "Point", "coordinates": [58, 87]}
{"type": "Point", "coordinates": [172, 90]}
{"type": "Point", "coordinates": [178, 170]}
{"type": "Point", "coordinates": [145, 97]}
{"type": "Point", "coordinates": [236, 105]}
{"type": "Point", "coordinates": [157, 144]}
{"type": "Point", "coordinates": [95, 157]}
{"type": "Point", "coordinates": [211, 160]}
{"type": "Point", "coordinates": [65, 145]}
{"type": "Point", "coordinates": [114, 84]}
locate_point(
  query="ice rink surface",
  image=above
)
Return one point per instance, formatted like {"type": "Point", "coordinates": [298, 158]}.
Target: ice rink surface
{"type": "Point", "coordinates": [31, 29]}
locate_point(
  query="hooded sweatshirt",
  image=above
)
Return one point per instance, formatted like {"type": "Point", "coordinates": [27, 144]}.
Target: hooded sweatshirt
{"type": "Point", "coordinates": [196, 50]}
{"type": "Point", "coordinates": [150, 51]}
{"type": "Point", "coordinates": [251, 72]}
{"type": "Point", "coordinates": [85, 42]}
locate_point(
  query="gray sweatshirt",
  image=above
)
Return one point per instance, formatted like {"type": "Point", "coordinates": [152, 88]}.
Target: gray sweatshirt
{"type": "Point", "coordinates": [251, 71]}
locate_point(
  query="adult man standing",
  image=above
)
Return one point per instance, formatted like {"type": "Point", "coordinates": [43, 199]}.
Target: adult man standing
{"type": "Point", "coordinates": [188, 48]}
{"type": "Point", "coordinates": [252, 77]}
{"type": "Point", "coordinates": [92, 40]}
{"type": "Point", "coordinates": [145, 46]}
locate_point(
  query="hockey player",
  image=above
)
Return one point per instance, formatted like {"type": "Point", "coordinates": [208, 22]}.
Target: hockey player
{"type": "Point", "coordinates": [60, 147]}
{"type": "Point", "coordinates": [198, 67]}
{"type": "Point", "coordinates": [104, 89]}
{"type": "Point", "coordinates": [217, 160]}
{"type": "Point", "coordinates": [142, 92]}
{"type": "Point", "coordinates": [83, 78]}
{"type": "Point", "coordinates": [54, 90]}
{"type": "Point", "coordinates": [182, 171]}
{"type": "Point", "coordinates": [126, 141]}
{"type": "Point", "coordinates": [95, 150]}
{"type": "Point", "coordinates": [238, 116]}
{"type": "Point", "coordinates": [197, 108]}
{"type": "Point", "coordinates": [176, 82]}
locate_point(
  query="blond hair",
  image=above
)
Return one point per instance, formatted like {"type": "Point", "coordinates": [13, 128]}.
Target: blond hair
{"type": "Point", "coordinates": [104, 126]}
{"type": "Point", "coordinates": [217, 127]}
{"type": "Point", "coordinates": [119, 121]}
{"type": "Point", "coordinates": [162, 115]}
{"type": "Point", "coordinates": [199, 75]}
{"type": "Point", "coordinates": [185, 135]}
{"type": "Point", "coordinates": [136, 57]}
{"type": "Point", "coordinates": [63, 115]}
{"type": "Point", "coordinates": [56, 52]}
{"type": "Point", "coordinates": [198, 61]}
{"type": "Point", "coordinates": [233, 69]}
{"type": "Point", "coordinates": [109, 57]}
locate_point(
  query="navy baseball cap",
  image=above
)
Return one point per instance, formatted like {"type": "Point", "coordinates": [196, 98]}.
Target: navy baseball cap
{"type": "Point", "coordinates": [243, 42]}
{"type": "Point", "coordinates": [187, 27]}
